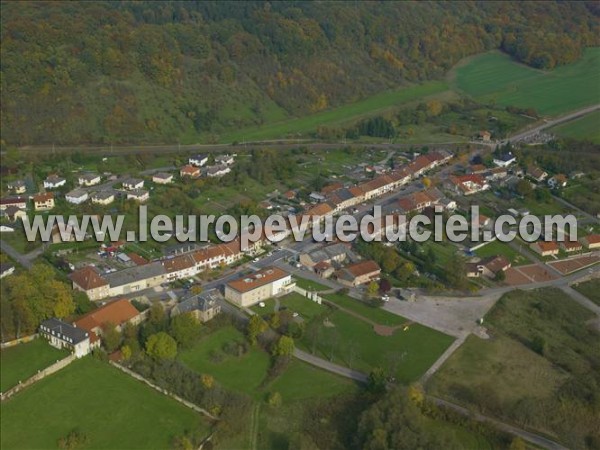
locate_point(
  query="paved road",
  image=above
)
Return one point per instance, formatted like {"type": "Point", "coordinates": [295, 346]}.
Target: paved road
{"type": "Point", "coordinates": [330, 367]}
{"type": "Point", "coordinates": [581, 299]}
{"type": "Point", "coordinates": [18, 257]}
{"type": "Point", "coordinates": [579, 210]}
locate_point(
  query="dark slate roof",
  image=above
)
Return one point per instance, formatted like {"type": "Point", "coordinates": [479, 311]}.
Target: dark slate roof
{"type": "Point", "coordinates": [5, 267]}
{"type": "Point", "coordinates": [64, 331]}
{"type": "Point", "coordinates": [201, 302]}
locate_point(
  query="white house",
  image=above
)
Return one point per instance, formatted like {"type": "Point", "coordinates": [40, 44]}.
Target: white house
{"type": "Point", "coordinates": [139, 195]}
{"type": "Point", "coordinates": [224, 159]}
{"type": "Point", "coordinates": [505, 159]}
{"type": "Point", "coordinates": [557, 181]}
{"type": "Point", "coordinates": [65, 335]}
{"type": "Point", "coordinates": [76, 196]}
{"type": "Point", "coordinates": [162, 178]}
{"type": "Point", "coordinates": [54, 181]}
{"type": "Point", "coordinates": [133, 184]}
{"type": "Point", "coordinates": [198, 160]}
{"type": "Point", "coordinates": [103, 198]}
{"type": "Point", "coordinates": [218, 171]}
{"type": "Point", "coordinates": [261, 285]}
{"type": "Point", "coordinates": [89, 179]}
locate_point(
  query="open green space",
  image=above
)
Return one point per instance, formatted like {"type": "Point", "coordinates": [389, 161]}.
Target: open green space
{"type": "Point", "coordinates": [110, 408]}
{"type": "Point", "coordinates": [349, 341]}
{"type": "Point", "coordinates": [300, 127]}
{"type": "Point", "coordinates": [310, 285]}
{"type": "Point", "coordinates": [502, 248]}
{"type": "Point", "coordinates": [591, 289]}
{"type": "Point", "coordinates": [586, 128]}
{"type": "Point", "coordinates": [536, 370]}
{"type": "Point", "coordinates": [306, 308]}
{"type": "Point", "coordinates": [24, 360]}
{"type": "Point", "coordinates": [494, 77]}
{"type": "Point", "coordinates": [375, 314]}
{"type": "Point", "coordinates": [239, 373]}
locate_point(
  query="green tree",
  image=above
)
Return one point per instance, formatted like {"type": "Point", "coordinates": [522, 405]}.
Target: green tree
{"type": "Point", "coordinates": [256, 327]}
{"type": "Point", "coordinates": [161, 346]}
{"type": "Point", "coordinates": [185, 328]}
{"type": "Point", "coordinates": [377, 380]}
{"type": "Point", "coordinates": [274, 400]}
{"type": "Point", "coordinates": [111, 338]}
{"type": "Point", "coordinates": [372, 288]}
{"type": "Point", "coordinates": [283, 347]}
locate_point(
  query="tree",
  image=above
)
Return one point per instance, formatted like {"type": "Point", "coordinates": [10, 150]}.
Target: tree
{"type": "Point", "coordinates": [207, 380]}
{"type": "Point", "coordinates": [384, 286]}
{"type": "Point", "coordinates": [517, 444]}
{"type": "Point", "coordinates": [126, 352]}
{"type": "Point", "coordinates": [256, 327]}
{"type": "Point", "coordinates": [111, 338]}
{"type": "Point", "coordinates": [185, 328]}
{"type": "Point", "coordinates": [196, 289]}
{"type": "Point", "coordinates": [524, 188]}
{"type": "Point", "coordinates": [161, 346]}
{"type": "Point", "coordinates": [390, 261]}
{"type": "Point", "coordinates": [156, 315]}
{"type": "Point", "coordinates": [426, 182]}
{"type": "Point", "coordinates": [72, 441]}
{"type": "Point", "coordinates": [377, 380]}
{"type": "Point", "coordinates": [274, 400]}
{"type": "Point", "coordinates": [283, 347]}
{"type": "Point", "coordinates": [372, 288]}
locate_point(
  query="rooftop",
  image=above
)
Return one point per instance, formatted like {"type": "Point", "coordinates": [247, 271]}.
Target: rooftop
{"type": "Point", "coordinates": [117, 312]}
{"type": "Point", "coordinates": [258, 279]}
{"type": "Point", "coordinates": [88, 278]}
{"type": "Point", "coordinates": [137, 273]}
{"type": "Point", "coordinates": [64, 331]}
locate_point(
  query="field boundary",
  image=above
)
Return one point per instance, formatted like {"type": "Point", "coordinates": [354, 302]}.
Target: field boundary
{"type": "Point", "coordinates": [16, 342]}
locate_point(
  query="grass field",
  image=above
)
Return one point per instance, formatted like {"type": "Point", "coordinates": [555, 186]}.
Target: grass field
{"type": "Point", "coordinates": [501, 248]}
{"type": "Point", "coordinates": [495, 77]}
{"type": "Point", "coordinates": [24, 360]}
{"type": "Point", "coordinates": [300, 127]}
{"type": "Point", "coordinates": [310, 285]}
{"type": "Point", "coordinates": [374, 314]}
{"type": "Point", "coordinates": [586, 128]}
{"type": "Point", "coordinates": [591, 289]}
{"type": "Point", "coordinates": [242, 374]}
{"type": "Point", "coordinates": [352, 342]}
{"type": "Point", "coordinates": [110, 408]}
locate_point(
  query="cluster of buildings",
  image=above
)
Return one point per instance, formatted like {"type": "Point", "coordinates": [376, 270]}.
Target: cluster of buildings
{"type": "Point", "coordinates": [197, 166]}
{"type": "Point", "coordinates": [553, 248]}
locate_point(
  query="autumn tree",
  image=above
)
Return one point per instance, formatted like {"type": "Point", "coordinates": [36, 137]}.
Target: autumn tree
{"type": "Point", "coordinates": [256, 327]}
{"type": "Point", "coordinates": [283, 347]}
{"type": "Point", "coordinates": [161, 346]}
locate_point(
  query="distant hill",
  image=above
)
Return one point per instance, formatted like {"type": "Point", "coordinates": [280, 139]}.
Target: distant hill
{"type": "Point", "coordinates": [109, 72]}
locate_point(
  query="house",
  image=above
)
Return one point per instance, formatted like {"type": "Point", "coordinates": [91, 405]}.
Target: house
{"type": "Point", "coordinates": [89, 179]}
{"type": "Point", "coordinates": [117, 312]}
{"type": "Point", "coordinates": [316, 197]}
{"type": "Point", "coordinates": [198, 160]}
{"type": "Point", "coordinates": [17, 186]}
{"type": "Point", "coordinates": [418, 201]}
{"type": "Point", "coordinates": [139, 195]}
{"type": "Point", "coordinates": [317, 213]}
{"type": "Point", "coordinates": [497, 173]}
{"type": "Point", "coordinates": [224, 159]}
{"type": "Point", "coordinates": [358, 273]}
{"type": "Point", "coordinates": [544, 248]}
{"type": "Point", "coordinates": [505, 160]}
{"type": "Point", "coordinates": [333, 253]}
{"type": "Point", "coordinates": [571, 246]}
{"type": "Point", "coordinates": [44, 201]}
{"type": "Point", "coordinates": [488, 267]}
{"type": "Point", "coordinates": [54, 181]}
{"type": "Point", "coordinates": [341, 199]}
{"type": "Point", "coordinates": [13, 213]}
{"type": "Point", "coordinates": [476, 168]}
{"type": "Point", "coordinates": [203, 306]}
{"type": "Point", "coordinates": [468, 184]}
{"type": "Point", "coordinates": [536, 174]}
{"type": "Point", "coordinates": [189, 171]}
{"type": "Point", "coordinates": [88, 280]}
{"type": "Point", "coordinates": [290, 195]}
{"type": "Point", "coordinates": [65, 335]}
{"type": "Point", "coordinates": [6, 269]}
{"type": "Point", "coordinates": [6, 229]}
{"type": "Point", "coordinates": [557, 181]}
{"type": "Point", "coordinates": [17, 202]}
{"type": "Point", "coordinates": [103, 198]}
{"type": "Point", "coordinates": [162, 178]}
{"type": "Point", "coordinates": [591, 241]}
{"type": "Point", "coordinates": [132, 184]}
{"type": "Point", "coordinates": [217, 170]}
{"type": "Point", "coordinates": [135, 279]}
{"type": "Point", "coordinates": [331, 188]}
{"type": "Point", "coordinates": [485, 136]}
{"type": "Point", "coordinates": [261, 285]}
{"type": "Point", "coordinates": [76, 196]}
{"type": "Point", "coordinates": [180, 266]}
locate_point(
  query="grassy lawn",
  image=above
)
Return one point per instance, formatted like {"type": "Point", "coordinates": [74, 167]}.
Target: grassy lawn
{"type": "Point", "coordinates": [24, 360]}
{"type": "Point", "coordinates": [352, 342]}
{"type": "Point", "coordinates": [112, 409]}
{"type": "Point", "coordinates": [242, 374]}
{"type": "Point", "coordinates": [302, 126]}
{"type": "Point", "coordinates": [586, 128]}
{"type": "Point", "coordinates": [293, 384]}
{"type": "Point", "coordinates": [541, 346]}
{"type": "Point", "coordinates": [502, 248]}
{"type": "Point", "coordinates": [374, 314]}
{"type": "Point", "coordinates": [310, 285]}
{"type": "Point", "coordinates": [591, 289]}
{"type": "Point", "coordinates": [306, 308]}
{"type": "Point", "coordinates": [495, 77]}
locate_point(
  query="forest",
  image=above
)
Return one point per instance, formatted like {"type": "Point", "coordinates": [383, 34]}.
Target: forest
{"type": "Point", "coordinates": [135, 72]}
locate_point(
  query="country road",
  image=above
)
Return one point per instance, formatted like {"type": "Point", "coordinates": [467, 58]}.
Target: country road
{"type": "Point", "coordinates": [285, 144]}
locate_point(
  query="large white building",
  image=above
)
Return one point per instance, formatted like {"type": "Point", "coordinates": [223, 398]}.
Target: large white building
{"type": "Point", "coordinates": [261, 285]}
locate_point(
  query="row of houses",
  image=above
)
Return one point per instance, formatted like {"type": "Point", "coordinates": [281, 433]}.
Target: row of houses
{"type": "Point", "coordinates": [338, 198]}
{"type": "Point", "coordinates": [196, 166]}
{"type": "Point", "coordinates": [551, 248]}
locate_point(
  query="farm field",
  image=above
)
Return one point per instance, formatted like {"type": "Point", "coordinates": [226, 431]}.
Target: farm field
{"type": "Point", "coordinates": [540, 344]}
{"type": "Point", "coordinates": [502, 248]}
{"type": "Point", "coordinates": [495, 77]}
{"type": "Point", "coordinates": [242, 374]}
{"type": "Point", "coordinates": [295, 128]}
{"type": "Point", "coordinates": [586, 128]}
{"type": "Point", "coordinates": [111, 409]}
{"type": "Point", "coordinates": [24, 360]}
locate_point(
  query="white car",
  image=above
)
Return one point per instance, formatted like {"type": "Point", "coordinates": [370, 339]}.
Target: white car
{"type": "Point", "coordinates": [385, 298]}
{"type": "Point", "coordinates": [262, 304]}
{"type": "Point", "coordinates": [256, 260]}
